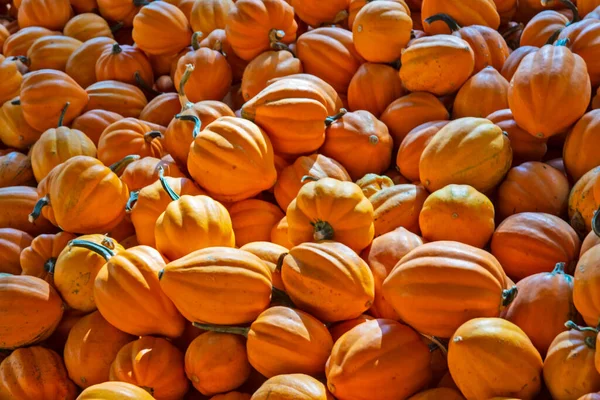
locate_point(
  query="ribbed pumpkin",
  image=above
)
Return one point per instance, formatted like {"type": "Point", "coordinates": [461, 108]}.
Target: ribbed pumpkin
{"type": "Point", "coordinates": [267, 66]}
{"type": "Point", "coordinates": [329, 209]}
{"type": "Point", "coordinates": [249, 168]}
{"type": "Point", "coordinates": [583, 40]}
{"type": "Point", "coordinates": [379, 355]}
{"type": "Point", "coordinates": [500, 355]}
{"type": "Point", "coordinates": [569, 81]}
{"type": "Point", "coordinates": [30, 309]}
{"type": "Point", "coordinates": [16, 202]}
{"type": "Point", "coordinates": [455, 64]}
{"type": "Point", "coordinates": [161, 28]}
{"type": "Point", "coordinates": [279, 234]}
{"type": "Point", "coordinates": [153, 364]}
{"type": "Point", "coordinates": [118, 97]}
{"type": "Point", "coordinates": [591, 240]}
{"type": "Point", "coordinates": [413, 145]}
{"type": "Point", "coordinates": [530, 243]}
{"type": "Point", "coordinates": [161, 109]}
{"type": "Point", "coordinates": [339, 329]}
{"type": "Point", "coordinates": [584, 201]}
{"type": "Point", "coordinates": [12, 243]}
{"type": "Point", "coordinates": [514, 60]}
{"type": "Point", "coordinates": [471, 12]}
{"type": "Point", "coordinates": [458, 274]}
{"type": "Point", "coordinates": [253, 220]}
{"type": "Point", "coordinates": [481, 161]}
{"type": "Point", "coordinates": [533, 187]}
{"type": "Point", "coordinates": [39, 258]}
{"type": "Point", "coordinates": [269, 253]}
{"type": "Point", "coordinates": [217, 362]}
{"type": "Point", "coordinates": [14, 130]}
{"type": "Point", "coordinates": [86, 26]}
{"type": "Point", "coordinates": [438, 393]}
{"type": "Point", "coordinates": [373, 87]}
{"type": "Point", "coordinates": [483, 94]}
{"type": "Point", "coordinates": [81, 65]}
{"type": "Point", "coordinates": [232, 396]}
{"type": "Point", "coordinates": [119, 10]}
{"type": "Point", "coordinates": [328, 280]}
{"type": "Point", "coordinates": [217, 40]}
{"type": "Point", "coordinates": [114, 391]}
{"type": "Point", "coordinates": [397, 206]}
{"type": "Point", "coordinates": [29, 372]}
{"type": "Point", "coordinates": [47, 14]}
{"type": "Point", "coordinates": [208, 15]}
{"type": "Point", "coordinates": [585, 288]}
{"type": "Point", "coordinates": [51, 52]}
{"type": "Point", "coordinates": [205, 285]}
{"type": "Point", "coordinates": [580, 153]}
{"type": "Point", "coordinates": [15, 170]}
{"type": "Point", "coordinates": [372, 183]}
{"type": "Point", "coordinates": [130, 136]}
{"type": "Point", "coordinates": [11, 78]}
{"type": "Point", "coordinates": [254, 26]}
{"type": "Point", "coordinates": [290, 387]}
{"type": "Point", "coordinates": [545, 25]}
{"type": "Point", "coordinates": [124, 63]}
{"type": "Point", "coordinates": [18, 43]}
{"type": "Point", "coordinates": [316, 14]}
{"type": "Point", "coordinates": [326, 93]}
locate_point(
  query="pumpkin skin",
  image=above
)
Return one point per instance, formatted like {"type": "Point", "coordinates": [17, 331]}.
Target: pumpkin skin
{"type": "Point", "coordinates": [361, 132]}
{"type": "Point", "coordinates": [11, 78]}
{"type": "Point", "coordinates": [114, 391]}
{"type": "Point", "coordinates": [413, 145]}
{"type": "Point", "coordinates": [51, 52]}
{"type": "Point", "coordinates": [217, 362]}
{"type": "Point", "coordinates": [400, 362]}
{"type": "Point", "coordinates": [232, 396]}
{"type": "Point", "coordinates": [590, 396]}
{"type": "Point", "coordinates": [144, 172]}
{"type": "Point", "coordinates": [209, 15]}
{"type": "Point", "coordinates": [438, 393]}
{"type": "Point", "coordinates": [462, 297]}
{"type": "Point", "coordinates": [217, 40]}
{"type": "Point", "coordinates": [316, 14]}
{"type": "Point", "coordinates": [29, 372]}
{"type": "Point", "coordinates": [481, 340]}
{"type": "Point", "coordinates": [373, 87]}
{"type": "Point", "coordinates": [569, 370]}
{"type": "Point", "coordinates": [94, 122]}
{"type": "Point", "coordinates": [583, 40]}
{"type": "Point", "coordinates": [357, 5]}
{"type": "Point", "coordinates": [455, 62]}
{"type": "Point", "coordinates": [12, 243]}
{"type": "Point", "coordinates": [514, 60]}
{"type": "Point", "coordinates": [206, 274]}
{"type": "Point", "coordinates": [291, 387]}
{"type": "Point", "coordinates": [410, 111]}
{"type": "Point", "coordinates": [397, 206]}
{"type": "Point", "coordinates": [472, 12]}
{"type": "Point", "coordinates": [16, 202]}
{"type": "Point", "coordinates": [18, 43]}
{"type": "Point", "coordinates": [39, 258]}
{"type": "Point", "coordinates": [14, 130]}
{"type": "Point", "coordinates": [254, 26]}
{"type": "Point", "coordinates": [590, 241]}
{"type": "Point", "coordinates": [372, 183]}
{"type": "Point", "coordinates": [345, 289]}
{"type": "Point", "coordinates": [250, 168]}
{"type": "Point", "coordinates": [30, 309]}
{"type": "Point", "coordinates": [584, 200]}
{"type": "Point", "coordinates": [326, 93]}
{"type": "Point", "coordinates": [121, 63]}
{"type": "Point", "coordinates": [15, 170]}
{"type": "Point", "coordinates": [520, 191]}
{"type": "Point", "coordinates": [483, 94]}
{"type": "Point", "coordinates": [118, 97]}
{"type": "Point", "coordinates": [449, 149]}
{"type": "Point", "coordinates": [130, 136]}
{"type": "Point", "coordinates": [86, 26]}
{"type": "Point", "coordinates": [577, 160]}
{"type": "Point", "coordinates": [569, 77]}
{"type": "Point", "coordinates": [542, 27]}
{"type": "Point", "coordinates": [340, 328]}
{"type": "Point", "coordinates": [253, 220]}
{"type": "Point", "coordinates": [153, 364]}
{"type": "Point", "coordinates": [161, 28]}
{"type": "Point", "coordinates": [459, 213]}
{"type": "Point", "coordinates": [41, 111]}
{"type": "Point", "coordinates": [266, 66]}
{"type": "Point", "coordinates": [269, 253]}
{"type": "Point", "coordinates": [311, 215]}
{"type": "Point", "coordinates": [279, 234]}
{"type": "Point", "coordinates": [161, 109]}
{"type": "Point", "coordinates": [81, 64]}
{"type": "Point", "coordinates": [46, 14]}
{"type": "Point", "coordinates": [585, 287]}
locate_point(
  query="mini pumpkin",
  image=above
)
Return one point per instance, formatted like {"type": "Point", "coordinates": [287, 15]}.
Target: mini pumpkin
{"type": "Point", "coordinates": [373, 87]}
{"type": "Point", "coordinates": [46, 14]}
{"type": "Point", "coordinates": [86, 26]}
{"type": "Point", "coordinates": [161, 28]}
{"type": "Point", "coordinates": [14, 130]}
{"type": "Point", "coordinates": [514, 60]}
{"type": "Point", "coordinates": [130, 136]}
{"type": "Point", "coordinates": [15, 170]}
{"type": "Point", "coordinates": [39, 259]}
{"type": "Point", "coordinates": [94, 122]}
{"type": "Point", "coordinates": [12, 244]}
{"type": "Point", "coordinates": [584, 201]}
{"type": "Point", "coordinates": [12, 78]}
{"type": "Point", "coordinates": [208, 15]}
{"type": "Point", "coordinates": [579, 153]}
{"type": "Point", "coordinates": [316, 14]}
{"type": "Point", "coordinates": [291, 387]}
{"type": "Point", "coordinates": [115, 390]}
{"type": "Point", "coordinates": [124, 63]}
{"type": "Point", "coordinates": [397, 206]}
{"type": "Point", "coordinates": [81, 64]}
{"type": "Point", "coordinates": [585, 287]}
{"type": "Point", "coordinates": [51, 52]}
{"type": "Point", "coordinates": [483, 94]}
{"type": "Point", "coordinates": [18, 43]}
{"type": "Point", "coordinates": [253, 220]}
{"type": "Point", "coordinates": [413, 145]}
{"type": "Point", "coordinates": [472, 12]}
{"type": "Point", "coordinates": [16, 203]}
{"type": "Point", "coordinates": [118, 97]}
{"type": "Point", "coordinates": [266, 66]}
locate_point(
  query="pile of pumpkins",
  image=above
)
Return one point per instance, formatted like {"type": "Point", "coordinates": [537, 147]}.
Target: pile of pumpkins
{"type": "Point", "coordinates": [299, 199]}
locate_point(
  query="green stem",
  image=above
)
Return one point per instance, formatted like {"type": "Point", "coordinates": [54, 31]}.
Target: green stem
{"type": "Point", "coordinates": [116, 27]}
{"type": "Point", "coordinates": [49, 265]}
{"type": "Point", "coordinates": [448, 20]}
{"type": "Point", "coordinates": [133, 198]}
{"type": "Point", "coordinates": [23, 60]}
{"type": "Point", "coordinates": [194, 119]}
{"type": "Point", "coordinates": [236, 330]}
{"type": "Point", "coordinates": [559, 268]}
{"type": "Point", "coordinates": [196, 37]}
{"type": "Point", "coordinates": [63, 112]}
{"type": "Point", "coordinates": [333, 118]}
{"type": "Point", "coordinates": [185, 103]}
{"type": "Point", "coordinates": [16, 102]}
{"type": "Point", "coordinates": [116, 48]}
{"type": "Point", "coordinates": [323, 231]}
{"type": "Point", "coordinates": [278, 46]}
{"type": "Point", "coordinates": [120, 165]}
{"type": "Point", "coordinates": [281, 297]}
{"type": "Point", "coordinates": [438, 343]}
{"type": "Point", "coordinates": [99, 249]}
{"type": "Point", "coordinates": [569, 4]}
{"type": "Point", "coordinates": [574, 326]}
{"type": "Point", "coordinates": [37, 209]}
{"type": "Point", "coordinates": [150, 136]}
{"type": "Point", "coordinates": [563, 42]}
{"type": "Point", "coordinates": [275, 36]}
{"type": "Point", "coordinates": [141, 3]}
{"type": "Point", "coordinates": [280, 261]}
{"type": "Point", "coordinates": [509, 295]}
{"type": "Point", "coordinates": [161, 176]}
{"type": "Point", "coordinates": [596, 222]}
{"type": "Point", "coordinates": [554, 36]}
{"type": "Point", "coordinates": [308, 178]}
{"type": "Point", "coordinates": [143, 85]}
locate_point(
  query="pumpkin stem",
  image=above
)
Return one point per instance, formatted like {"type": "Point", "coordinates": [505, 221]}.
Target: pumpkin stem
{"type": "Point", "coordinates": [590, 342]}
{"type": "Point", "coordinates": [120, 165]}
{"type": "Point", "coordinates": [133, 198]}
{"type": "Point", "coordinates": [218, 47]}
{"type": "Point", "coordinates": [278, 46]}
{"type": "Point", "coordinates": [150, 136]}
{"type": "Point", "coordinates": [63, 112]}
{"type": "Point", "coordinates": [448, 20]}
{"type": "Point", "coordinates": [323, 231]}
{"type": "Point", "coordinates": [563, 42]}
{"type": "Point", "coordinates": [37, 209]}
{"type": "Point", "coordinates": [16, 102]}
{"type": "Point", "coordinates": [339, 17]}
{"type": "Point", "coordinates": [280, 261]}
{"type": "Point", "coordinates": [236, 330]}
{"type": "Point", "coordinates": [49, 265]}
{"type": "Point", "coordinates": [509, 295]}
{"type": "Point", "coordinates": [116, 27]}
{"type": "Point", "coordinates": [143, 85]}
{"type": "Point", "coordinates": [196, 37]}
{"type": "Point", "coordinates": [333, 118]}
{"type": "Point", "coordinates": [185, 103]}
{"type": "Point", "coordinates": [569, 4]}
{"type": "Point", "coordinates": [559, 268]}
{"type": "Point", "coordinates": [554, 36]}
{"type": "Point", "coordinates": [23, 59]}
{"type": "Point", "coordinates": [140, 3]}
{"type": "Point", "coordinates": [99, 249]}
{"type": "Point", "coordinates": [373, 139]}
{"type": "Point", "coordinates": [437, 342]}
{"type": "Point", "coordinates": [281, 297]}
{"type": "Point", "coordinates": [246, 115]}
{"type": "Point", "coordinates": [307, 178]}
{"type": "Point", "coordinates": [574, 326]}
{"type": "Point", "coordinates": [195, 120]}
{"type": "Point", "coordinates": [275, 35]}
{"type": "Point", "coordinates": [161, 176]}
{"type": "Point", "coordinates": [116, 48]}
{"type": "Point", "coordinates": [596, 222]}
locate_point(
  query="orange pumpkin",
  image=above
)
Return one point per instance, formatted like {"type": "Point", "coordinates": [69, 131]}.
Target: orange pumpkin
{"type": "Point", "coordinates": [412, 146]}
{"type": "Point", "coordinates": [16, 202]}
{"type": "Point", "coordinates": [47, 14]}
{"type": "Point", "coordinates": [591, 240]}
{"type": "Point", "coordinates": [582, 38]}
{"type": "Point", "coordinates": [11, 78]}
{"type": "Point", "coordinates": [584, 201]}
{"type": "Point", "coordinates": [51, 52]}
{"type": "Point", "coordinates": [161, 28]}
{"type": "Point", "coordinates": [86, 26]}
{"type": "Point", "coordinates": [579, 152]}
{"type": "Point", "coordinates": [232, 396]}
{"type": "Point", "coordinates": [326, 93]}
{"type": "Point", "coordinates": [207, 16]}
{"type": "Point", "coordinates": [162, 109]}
{"type": "Point", "coordinates": [12, 243]}
{"type": "Point", "coordinates": [18, 43]}
{"type": "Point", "coordinates": [39, 259]}
{"type": "Point", "coordinates": [339, 329]}
{"type": "Point", "coordinates": [544, 27]}
{"type": "Point", "coordinates": [14, 130]}
{"type": "Point", "coordinates": [288, 387]}
{"type": "Point", "coordinates": [94, 122]}
{"type": "Point", "coordinates": [119, 10]}
{"type": "Point", "coordinates": [372, 183]}
{"type": "Point", "coordinates": [316, 14]}
{"type": "Point", "coordinates": [514, 60]}
{"type": "Point", "coordinates": [114, 391]}
{"type": "Point", "coordinates": [483, 94]}
{"type": "Point", "coordinates": [253, 220]}
{"type": "Point", "coordinates": [269, 253]}
{"type": "Point", "coordinates": [438, 393]}
{"type": "Point", "coordinates": [124, 63]}
{"type": "Point", "coordinates": [81, 64]}
{"type": "Point", "coordinates": [15, 170]}
{"type": "Point", "coordinates": [218, 40]}
{"type": "Point", "coordinates": [118, 97]}
{"type": "Point", "coordinates": [130, 136]}
{"type": "Point", "coordinates": [279, 234]}
{"type": "Point", "coordinates": [266, 66]}
{"type": "Point", "coordinates": [144, 172]}
{"type": "Point", "coordinates": [585, 287]}
{"type": "Point", "coordinates": [397, 206]}
{"type": "Point", "coordinates": [530, 243]}
{"type": "Point", "coordinates": [471, 12]}
{"type": "Point", "coordinates": [373, 88]}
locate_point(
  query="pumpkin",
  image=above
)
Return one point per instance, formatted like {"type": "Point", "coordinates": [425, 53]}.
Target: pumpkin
{"type": "Point", "coordinates": [15, 170]}
{"type": "Point", "coordinates": [119, 10]}
{"type": "Point", "coordinates": [269, 253]}
{"type": "Point", "coordinates": [585, 287]}
{"type": "Point", "coordinates": [161, 28]}
{"type": "Point", "coordinates": [208, 15]}
{"type": "Point", "coordinates": [329, 54]}
{"type": "Point", "coordinates": [39, 258]}
{"type": "Point", "coordinates": [30, 309]}
{"type": "Point", "coordinates": [584, 200]}
{"type": "Point", "coordinates": [94, 122]}
{"type": "Point", "coordinates": [337, 330]}
{"type": "Point", "coordinates": [530, 243]}
{"type": "Point", "coordinates": [397, 206]}
{"type": "Point", "coordinates": [11, 78]}
{"type": "Point", "coordinates": [379, 355]}
{"type": "Point", "coordinates": [583, 41]}
{"type": "Point", "coordinates": [130, 136]}
{"type": "Point", "coordinates": [590, 396]}
{"type": "Point", "coordinates": [591, 240]}
{"type": "Point", "coordinates": [373, 88]}
{"type": "Point", "coordinates": [514, 60]}
{"type": "Point", "coordinates": [51, 52]}
{"type": "Point", "coordinates": [489, 47]}
{"type": "Point", "coordinates": [569, 370]}
{"type": "Point", "coordinates": [114, 391]}
{"type": "Point", "coordinates": [124, 63]}
{"type": "Point", "coordinates": [47, 14]}
{"type": "Point", "coordinates": [291, 387]}
{"type": "Point", "coordinates": [328, 280]}
{"type": "Point", "coordinates": [569, 80]}
{"type": "Point", "coordinates": [357, 5]}
{"type": "Point", "coordinates": [459, 213]}
{"type": "Point", "coordinates": [204, 277]}
{"type": "Point", "coordinates": [410, 111]}
{"type": "Point", "coordinates": [412, 146]}
{"type": "Point", "coordinates": [144, 172]}
{"type": "Point", "coordinates": [12, 243]}
{"type": "Point", "coordinates": [483, 94]}
{"type": "Point", "coordinates": [579, 152]}
{"type": "Point", "coordinates": [447, 157]}
{"type": "Point", "coordinates": [557, 163]}
{"type": "Point", "coordinates": [472, 12]}
{"type": "Point", "coordinates": [232, 396]}
{"type": "Point", "coordinates": [162, 109]}
{"type": "Point", "coordinates": [521, 190]}
{"type": "Point", "coordinates": [455, 62]}
{"type": "Point", "coordinates": [544, 27]}
{"type": "Point", "coordinates": [249, 168]}
{"type": "Point", "coordinates": [489, 348]}
{"type": "Point", "coordinates": [81, 64]}
{"type": "Point", "coordinates": [316, 14]}
{"type": "Point", "coordinates": [153, 364]}
{"type": "Point", "coordinates": [57, 340]}
{"type": "Point", "coordinates": [382, 256]}
{"type": "Point", "coordinates": [28, 372]}
{"type": "Point", "coordinates": [326, 93]}
{"type": "Point", "coordinates": [42, 111]}
{"type": "Point", "coordinates": [14, 130]}
{"type": "Point", "coordinates": [253, 220]}
{"type": "Point", "coordinates": [217, 362]}
{"type": "Point", "coordinates": [18, 43]}
{"type": "Point", "coordinates": [585, 7]}
{"type": "Point", "coordinates": [362, 132]}
{"type": "Point", "coordinates": [266, 66]}
{"type": "Point", "coordinates": [379, 22]}
{"type": "Point", "coordinates": [525, 147]}
{"type": "Point", "coordinates": [372, 183]}
{"type": "Point", "coordinates": [217, 40]}
{"type": "Point", "coordinates": [118, 97]}
{"type": "Point", "coordinates": [16, 202]}
{"type": "Point", "coordinates": [254, 26]}
{"type": "Point", "coordinates": [279, 234]}
{"type": "Point", "coordinates": [86, 26]}
{"type": "Point", "coordinates": [329, 209]}
{"type": "Point", "coordinates": [438, 393]}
